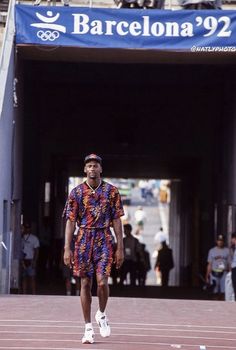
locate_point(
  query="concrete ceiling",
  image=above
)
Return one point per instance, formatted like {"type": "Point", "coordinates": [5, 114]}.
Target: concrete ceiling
{"type": "Point", "coordinates": [71, 54]}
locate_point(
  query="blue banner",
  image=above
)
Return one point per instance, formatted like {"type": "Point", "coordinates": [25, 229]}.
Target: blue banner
{"type": "Point", "coordinates": [181, 30]}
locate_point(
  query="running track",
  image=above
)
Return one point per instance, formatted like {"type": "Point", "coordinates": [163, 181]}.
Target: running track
{"type": "Point", "coordinates": [56, 323]}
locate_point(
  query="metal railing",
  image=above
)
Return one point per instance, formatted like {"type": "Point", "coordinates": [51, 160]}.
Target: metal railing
{"type": "Point", "coordinates": [89, 3]}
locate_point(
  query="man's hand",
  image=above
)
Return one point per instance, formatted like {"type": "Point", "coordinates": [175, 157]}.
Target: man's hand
{"type": "Point", "coordinates": [68, 257]}
{"type": "Point", "coordinates": [207, 278]}
{"type": "Point", "coordinates": [119, 258]}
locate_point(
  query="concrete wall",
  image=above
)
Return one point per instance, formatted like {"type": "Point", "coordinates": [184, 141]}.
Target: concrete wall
{"type": "Point", "coordinates": [6, 137]}
{"type": "Point", "coordinates": [11, 161]}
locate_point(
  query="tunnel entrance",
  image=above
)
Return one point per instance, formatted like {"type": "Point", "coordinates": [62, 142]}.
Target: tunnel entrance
{"type": "Point", "coordinates": [147, 120]}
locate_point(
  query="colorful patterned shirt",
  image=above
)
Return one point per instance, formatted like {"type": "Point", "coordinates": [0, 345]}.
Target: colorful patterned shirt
{"type": "Point", "coordinates": [94, 209]}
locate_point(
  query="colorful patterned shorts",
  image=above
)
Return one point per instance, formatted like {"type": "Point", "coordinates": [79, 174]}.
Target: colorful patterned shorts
{"type": "Point", "coordinates": [94, 249]}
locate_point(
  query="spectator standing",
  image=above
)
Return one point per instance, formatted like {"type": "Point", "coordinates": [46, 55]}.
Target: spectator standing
{"type": "Point", "coordinates": [144, 265]}
{"type": "Point", "coordinates": [130, 3]}
{"type": "Point", "coordinates": [164, 263]}
{"type": "Point", "coordinates": [155, 4]}
{"type": "Point", "coordinates": [140, 217]}
{"type": "Point", "coordinates": [63, 2]}
{"type": "Point", "coordinates": [30, 252]}
{"type": "Point", "coordinates": [132, 251]}
{"type": "Point", "coordinates": [95, 206]}
{"type": "Point", "coordinates": [142, 186]}
{"type": "Point", "coordinates": [218, 264]}
{"type": "Point", "coordinates": [139, 235]}
{"type": "Point", "coordinates": [164, 192]}
{"type": "Point", "coordinates": [201, 4]}
{"type": "Point", "coordinates": [159, 236]}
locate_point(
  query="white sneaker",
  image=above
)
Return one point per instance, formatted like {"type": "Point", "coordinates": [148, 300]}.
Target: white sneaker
{"type": "Point", "coordinates": [104, 327]}
{"type": "Point", "coordinates": [88, 337]}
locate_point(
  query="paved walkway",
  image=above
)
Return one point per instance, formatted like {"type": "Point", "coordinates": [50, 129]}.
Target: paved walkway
{"type": "Point", "coordinates": [56, 323]}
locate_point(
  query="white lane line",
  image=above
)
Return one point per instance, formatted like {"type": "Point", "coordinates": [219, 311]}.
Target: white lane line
{"type": "Point", "coordinates": [116, 328]}
{"type": "Point", "coordinates": [122, 323]}
{"type": "Point", "coordinates": [125, 335]}
{"type": "Point", "coordinates": [114, 343]}
{"type": "Point", "coordinates": [41, 331]}
{"type": "Point", "coordinates": [174, 325]}
{"type": "Point", "coordinates": [34, 348]}
{"type": "Point", "coordinates": [182, 345]}
{"type": "Point", "coordinates": [41, 321]}
{"type": "Point", "coordinates": [39, 326]}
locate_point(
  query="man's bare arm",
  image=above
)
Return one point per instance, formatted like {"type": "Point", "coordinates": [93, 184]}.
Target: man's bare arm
{"type": "Point", "coordinates": [69, 230]}
{"type": "Point", "coordinates": [119, 254]}
{"type": "Point", "coordinates": [208, 272]}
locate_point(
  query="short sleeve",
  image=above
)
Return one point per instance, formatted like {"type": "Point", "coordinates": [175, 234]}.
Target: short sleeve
{"type": "Point", "coordinates": [117, 208]}
{"type": "Point", "coordinates": [209, 258]}
{"type": "Point", "coordinates": [71, 208]}
{"type": "Point", "coordinates": [36, 243]}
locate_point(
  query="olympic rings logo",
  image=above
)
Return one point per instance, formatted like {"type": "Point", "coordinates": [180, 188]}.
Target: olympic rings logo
{"type": "Point", "coordinates": [48, 35]}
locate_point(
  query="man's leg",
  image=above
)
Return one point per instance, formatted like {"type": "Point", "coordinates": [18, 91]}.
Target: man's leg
{"type": "Point", "coordinates": [86, 298]}
{"type": "Point", "coordinates": [103, 294]}
{"type": "Point", "coordinates": [222, 287]}
{"type": "Point", "coordinates": [132, 270]}
{"type": "Point", "coordinates": [164, 278]}
{"type": "Point", "coordinates": [32, 278]}
{"type": "Point", "coordinates": [32, 284]}
{"type": "Point", "coordinates": [102, 291]}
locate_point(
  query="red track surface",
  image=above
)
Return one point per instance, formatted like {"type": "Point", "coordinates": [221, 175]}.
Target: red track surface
{"type": "Point", "coordinates": [56, 323]}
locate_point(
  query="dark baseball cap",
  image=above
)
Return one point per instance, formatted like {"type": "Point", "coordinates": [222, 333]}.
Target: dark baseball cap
{"type": "Point", "coordinates": [220, 238]}
{"type": "Point", "coordinates": [94, 157]}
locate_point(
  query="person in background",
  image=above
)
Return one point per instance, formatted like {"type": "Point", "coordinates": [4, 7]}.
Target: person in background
{"type": "Point", "coordinates": [132, 253]}
{"type": "Point", "coordinates": [30, 251]}
{"type": "Point", "coordinates": [139, 235]}
{"type": "Point", "coordinates": [201, 4]}
{"type": "Point", "coordinates": [63, 2]}
{"type": "Point", "coordinates": [164, 263]}
{"type": "Point", "coordinates": [159, 235]}
{"type": "Point", "coordinates": [129, 3]}
{"type": "Point", "coordinates": [140, 218]}
{"type": "Point", "coordinates": [144, 265]}
{"type": "Point", "coordinates": [218, 264]}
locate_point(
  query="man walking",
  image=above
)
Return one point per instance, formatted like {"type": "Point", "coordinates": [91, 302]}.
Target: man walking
{"type": "Point", "coordinates": [164, 262]}
{"type": "Point", "coordinates": [30, 251]}
{"type": "Point", "coordinates": [95, 206]}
